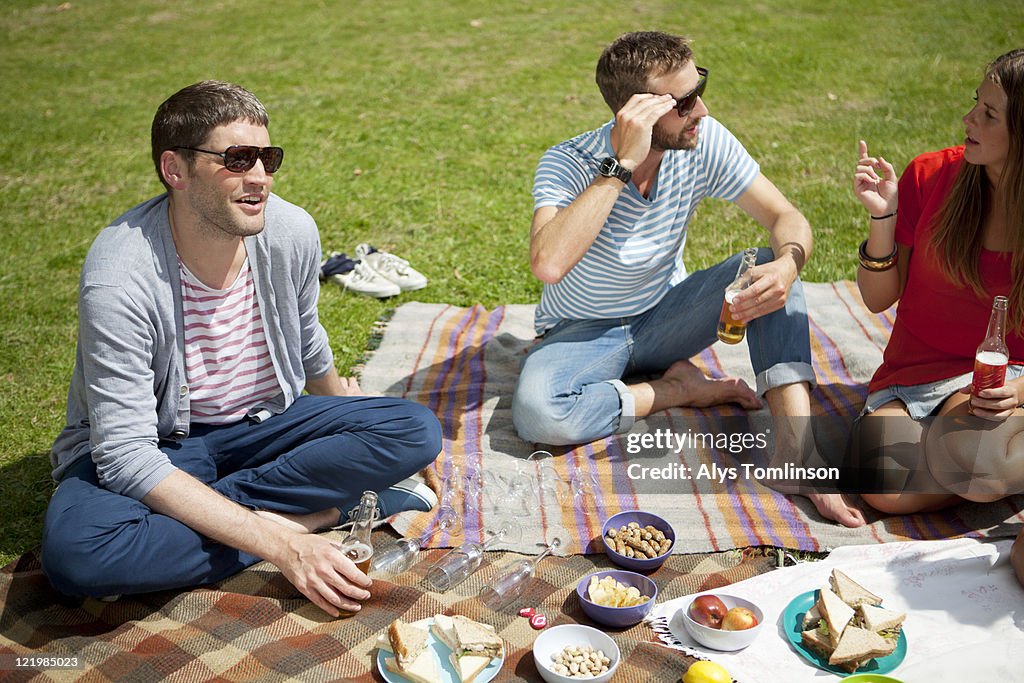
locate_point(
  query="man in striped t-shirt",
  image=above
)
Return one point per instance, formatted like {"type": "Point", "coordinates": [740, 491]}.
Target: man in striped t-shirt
{"type": "Point", "coordinates": [190, 450]}
{"type": "Point", "coordinates": [612, 209]}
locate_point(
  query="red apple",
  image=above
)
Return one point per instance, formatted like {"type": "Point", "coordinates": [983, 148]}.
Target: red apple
{"type": "Point", "coordinates": [738, 619]}
{"type": "Point", "coordinates": [708, 610]}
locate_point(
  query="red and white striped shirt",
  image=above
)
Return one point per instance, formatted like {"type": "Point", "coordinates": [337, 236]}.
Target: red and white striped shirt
{"type": "Point", "coordinates": [227, 361]}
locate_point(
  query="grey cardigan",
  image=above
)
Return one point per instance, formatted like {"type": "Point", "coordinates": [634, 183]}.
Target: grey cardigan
{"type": "Point", "coordinates": [129, 390]}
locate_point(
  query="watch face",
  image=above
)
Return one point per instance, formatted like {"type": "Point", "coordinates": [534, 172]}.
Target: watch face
{"type": "Point", "coordinates": [610, 168]}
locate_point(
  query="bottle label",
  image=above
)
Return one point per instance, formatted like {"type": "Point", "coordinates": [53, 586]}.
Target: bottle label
{"type": "Point", "coordinates": [989, 370]}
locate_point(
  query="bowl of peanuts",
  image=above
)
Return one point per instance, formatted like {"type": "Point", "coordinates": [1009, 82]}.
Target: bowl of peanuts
{"type": "Point", "coordinates": [637, 540]}
{"type": "Point", "coordinates": [573, 652]}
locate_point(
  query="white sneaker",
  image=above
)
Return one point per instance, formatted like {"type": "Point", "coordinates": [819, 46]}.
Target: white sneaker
{"type": "Point", "coordinates": [391, 267]}
{"type": "Point", "coordinates": [357, 276]}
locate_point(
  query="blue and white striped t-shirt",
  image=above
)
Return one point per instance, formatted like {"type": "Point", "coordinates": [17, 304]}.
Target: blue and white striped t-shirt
{"type": "Point", "coordinates": [638, 254]}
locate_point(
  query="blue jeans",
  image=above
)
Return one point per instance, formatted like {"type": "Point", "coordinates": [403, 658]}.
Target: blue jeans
{"type": "Point", "coordinates": [570, 388]}
{"type": "Point", "coordinates": [322, 452]}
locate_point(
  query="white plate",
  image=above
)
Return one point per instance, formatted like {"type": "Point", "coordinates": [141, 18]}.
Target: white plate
{"type": "Point", "coordinates": [441, 656]}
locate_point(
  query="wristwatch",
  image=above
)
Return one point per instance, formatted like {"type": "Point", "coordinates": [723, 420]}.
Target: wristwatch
{"type": "Point", "coordinates": [611, 168]}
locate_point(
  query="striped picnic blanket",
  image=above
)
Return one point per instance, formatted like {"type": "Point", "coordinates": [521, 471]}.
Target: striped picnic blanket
{"type": "Point", "coordinates": [464, 362]}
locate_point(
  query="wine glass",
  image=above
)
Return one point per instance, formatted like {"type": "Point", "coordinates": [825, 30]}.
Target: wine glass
{"type": "Point", "coordinates": [399, 556]}
{"type": "Point", "coordinates": [458, 563]}
{"type": "Point", "coordinates": [511, 584]}
{"type": "Point", "coordinates": [583, 486]}
{"type": "Point", "coordinates": [552, 486]}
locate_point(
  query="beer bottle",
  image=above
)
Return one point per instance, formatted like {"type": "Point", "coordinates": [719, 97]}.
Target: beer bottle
{"type": "Point", "coordinates": [357, 545]}
{"type": "Point", "coordinates": [992, 356]}
{"type": "Point", "coordinates": [730, 330]}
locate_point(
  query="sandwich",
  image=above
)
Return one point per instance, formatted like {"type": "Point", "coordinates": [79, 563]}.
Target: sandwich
{"type": "Point", "coordinates": [817, 642]}
{"type": "Point", "coordinates": [835, 615]}
{"type": "Point", "coordinates": [851, 592]}
{"type": "Point", "coordinates": [857, 647]}
{"type": "Point", "coordinates": [847, 627]}
{"type": "Point", "coordinates": [473, 644]}
{"type": "Point", "coordinates": [811, 618]}
{"type": "Point", "coordinates": [476, 638]}
{"type": "Point", "coordinates": [413, 660]}
{"type": "Point", "coordinates": [885, 622]}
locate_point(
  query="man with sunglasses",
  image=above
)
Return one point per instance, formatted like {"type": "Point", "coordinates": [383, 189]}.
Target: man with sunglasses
{"type": "Point", "coordinates": [612, 208]}
{"type": "Point", "coordinates": [190, 450]}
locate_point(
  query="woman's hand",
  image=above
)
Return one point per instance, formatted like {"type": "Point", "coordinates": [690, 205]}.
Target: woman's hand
{"type": "Point", "coordinates": [876, 192]}
{"type": "Point", "coordinates": [995, 404]}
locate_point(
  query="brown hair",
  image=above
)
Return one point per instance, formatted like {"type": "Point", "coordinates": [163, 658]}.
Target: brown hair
{"type": "Point", "coordinates": [187, 117]}
{"type": "Point", "coordinates": [958, 225]}
{"type": "Point", "coordinates": [627, 65]}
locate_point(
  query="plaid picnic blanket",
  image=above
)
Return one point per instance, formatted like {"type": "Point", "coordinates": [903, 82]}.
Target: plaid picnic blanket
{"type": "Point", "coordinates": [256, 626]}
{"type": "Point", "coordinates": [464, 362]}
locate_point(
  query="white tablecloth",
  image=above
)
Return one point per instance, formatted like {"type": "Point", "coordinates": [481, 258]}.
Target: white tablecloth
{"type": "Point", "coordinates": [965, 612]}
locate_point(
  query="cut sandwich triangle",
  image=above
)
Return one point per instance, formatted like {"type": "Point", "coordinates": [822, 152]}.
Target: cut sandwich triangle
{"type": "Point", "coordinates": [476, 638]}
{"type": "Point", "coordinates": [880, 619]}
{"type": "Point", "coordinates": [836, 614]}
{"type": "Point", "coordinates": [422, 669]}
{"type": "Point", "coordinates": [851, 592]}
{"type": "Point", "coordinates": [859, 645]}
{"type": "Point", "coordinates": [407, 641]}
{"type": "Point", "coordinates": [469, 666]}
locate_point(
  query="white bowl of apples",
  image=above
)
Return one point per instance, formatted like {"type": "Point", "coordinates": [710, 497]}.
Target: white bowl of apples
{"type": "Point", "coordinates": [722, 622]}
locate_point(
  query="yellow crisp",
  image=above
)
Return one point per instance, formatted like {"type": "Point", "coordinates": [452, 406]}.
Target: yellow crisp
{"type": "Point", "coordinates": [608, 592]}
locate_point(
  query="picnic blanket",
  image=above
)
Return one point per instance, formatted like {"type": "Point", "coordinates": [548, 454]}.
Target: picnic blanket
{"type": "Point", "coordinates": [464, 362]}
{"type": "Point", "coordinates": [964, 607]}
{"type": "Point", "coordinates": [256, 626]}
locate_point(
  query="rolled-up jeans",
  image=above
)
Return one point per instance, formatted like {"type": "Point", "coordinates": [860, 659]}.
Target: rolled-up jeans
{"type": "Point", "coordinates": [570, 388]}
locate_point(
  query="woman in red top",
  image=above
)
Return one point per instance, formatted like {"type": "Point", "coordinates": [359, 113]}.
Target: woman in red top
{"type": "Point", "coordinates": [956, 241]}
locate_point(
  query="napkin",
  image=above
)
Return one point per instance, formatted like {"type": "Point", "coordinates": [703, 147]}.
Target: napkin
{"type": "Point", "coordinates": [959, 595]}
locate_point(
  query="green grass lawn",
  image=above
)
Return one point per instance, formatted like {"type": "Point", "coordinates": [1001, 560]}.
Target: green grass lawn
{"type": "Point", "coordinates": [417, 126]}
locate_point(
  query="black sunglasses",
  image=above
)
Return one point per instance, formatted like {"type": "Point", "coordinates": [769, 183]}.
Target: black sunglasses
{"type": "Point", "coordinates": [686, 103]}
{"type": "Point", "coordinates": [241, 158]}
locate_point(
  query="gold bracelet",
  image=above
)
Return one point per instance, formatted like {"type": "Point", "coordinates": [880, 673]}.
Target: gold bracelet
{"type": "Point", "coordinates": [876, 265]}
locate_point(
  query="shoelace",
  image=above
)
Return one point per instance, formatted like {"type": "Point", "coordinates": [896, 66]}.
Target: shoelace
{"type": "Point", "coordinates": [389, 261]}
{"type": "Point", "coordinates": [363, 272]}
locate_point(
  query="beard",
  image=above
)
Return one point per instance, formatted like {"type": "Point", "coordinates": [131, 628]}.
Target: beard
{"type": "Point", "coordinates": [217, 218]}
{"type": "Point", "coordinates": [663, 140]}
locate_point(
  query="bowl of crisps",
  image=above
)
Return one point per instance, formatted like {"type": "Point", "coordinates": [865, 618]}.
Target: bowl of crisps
{"type": "Point", "coordinates": [616, 597]}
{"type": "Point", "coordinates": [638, 540]}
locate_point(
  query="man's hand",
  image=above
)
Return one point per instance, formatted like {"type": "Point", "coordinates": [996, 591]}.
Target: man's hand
{"type": "Point", "coordinates": [310, 562]}
{"type": "Point", "coordinates": [322, 573]}
{"type": "Point", "coordinates": [634, 123]}
{"type": "Point", "coordinates": [768, 290]}
{"type": "Point", "coordinates": [331, 384]}
{"type": "Point", "coordinates": [350, 387]}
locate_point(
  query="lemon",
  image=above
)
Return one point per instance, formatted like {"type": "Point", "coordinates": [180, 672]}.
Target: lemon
{"type": "Point", "coordinates": [706, 672]}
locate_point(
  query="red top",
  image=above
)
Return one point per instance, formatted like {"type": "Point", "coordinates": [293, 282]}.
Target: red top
{"type": "Point", "coordinates": [939, 324]}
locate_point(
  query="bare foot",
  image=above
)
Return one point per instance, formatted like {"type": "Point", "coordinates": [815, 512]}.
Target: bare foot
{"type": "Point", "coordinates": [699, 391]}
{"type": "Point", "coordinates": [303, 524]}
{"type": "Point", "coordinates": [838, 508]}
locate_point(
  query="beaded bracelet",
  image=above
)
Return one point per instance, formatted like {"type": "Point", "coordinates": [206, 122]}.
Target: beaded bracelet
{"type": "Point", "coordinates": [876, 265]}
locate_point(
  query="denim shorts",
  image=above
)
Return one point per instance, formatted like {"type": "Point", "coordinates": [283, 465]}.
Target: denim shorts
{"type": "Point", "coordinates": [923, 400]}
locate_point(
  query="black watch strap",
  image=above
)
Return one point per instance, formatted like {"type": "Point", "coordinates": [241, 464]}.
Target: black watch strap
{"type": "Point", "coordinates": [611, 168]}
